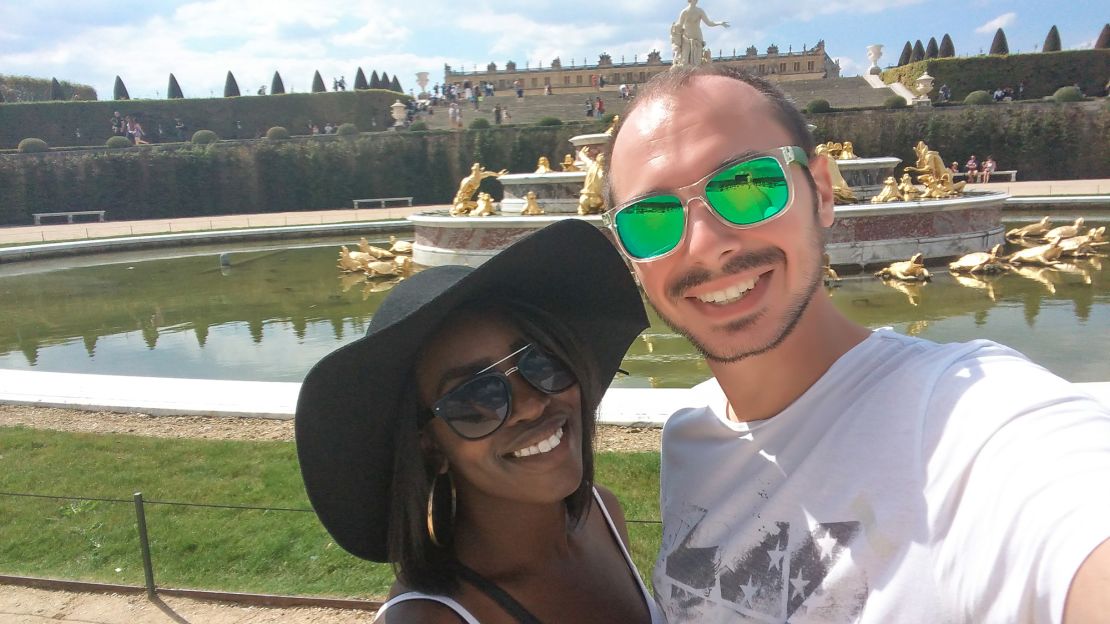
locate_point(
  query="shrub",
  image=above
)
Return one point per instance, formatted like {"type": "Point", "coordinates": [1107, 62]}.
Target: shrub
{"type": "Point", "coordinates": [277, 133]}
{"type": "Point", "coordinates": [999, 45]}
{"type": "Point", "coordinates": [231, 87]}
{"type": "Point", "coordinates": [978, 98]}
{"type": "Point", "coordinates": [480, 123]}
{"type": "Point", "coordinates": [1068, 94]}
{"type": "Point", "coordinates": [360, 80]}
{"type": "Point", "coordinates": [818, 106]}
{"type": "Point", "coordinates": [1051, 40]}
{"type": "Point", "coordinates": [119, 91]}
{"type": "Point", "coordinates": [918, 52]}
{"type": "Point", "coordinates": [347, 130]}
{"type": "Point", "coordinates": [549, 121]}
{"type": "Point", "coordinates": [894, 101]}
{"type": "Point", "coordinates": [277, 85]}
{"type": "Point", "coordinates": [947, 50]}
{"type": "Point", "coordinates": [907, 52]}
{"type": "Point", "coordinates": [32, 146]}
{"type": "Point", "coordinates": [932, 50]}
{"type": "Point", "coordinates": [204, 137]}
{"type": "Point", "coordinates": [418, 126]}
{"type": "Point", "coordinates": [173, 91]}
{"type": "Point", "coordinates": [318, 83]}
{"type": "Point", "coordinates": [116, 142]}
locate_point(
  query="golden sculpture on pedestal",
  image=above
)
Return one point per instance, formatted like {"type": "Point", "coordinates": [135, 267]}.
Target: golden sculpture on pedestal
{"type": "Point", "coordinates": [375, 261]}
{"type": "Point", "coordinates": [890, 192]}
{"type": "Point", "coordinates": [906, 189]}
{"type": "Point", "coordinates": [543, 166]}
{"type": "Point", "coordinates": [590, 199]}
{"type": "Point", "coordinates": [842, 193]}
{"type": "Point", "coordinates": [839, 151]}
{"type": "Point", "coordinates": [568, 163]}
{"type": "Point", "coordinates": [933, 175]}
{"type": "Point", "coordinates": [531, 207]}
{"type": "Point", "coordinates": [848, 152]}
{"type": "Point", "coordinates": [484, 206]}
{"type": "Point", "coordinates": [463, 204]}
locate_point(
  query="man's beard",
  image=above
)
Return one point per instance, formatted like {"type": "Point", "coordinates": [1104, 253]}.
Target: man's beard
{"type": "Point", "coordinates": [794, 310]}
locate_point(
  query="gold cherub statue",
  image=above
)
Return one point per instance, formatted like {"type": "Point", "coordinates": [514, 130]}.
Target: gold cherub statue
{"type": "Point", "coordinates": [932, 173]}
{"type": "Point", "coordinates": [907, 190]}
{"type": "Point", "coordinates": [543, 165]}
{"type": "Point", "coordinates": [842, 193]}
{"type": "Point", "coordinates": [848, 152]}
{"type": "Point", "coordinates": [484, 207]}
{"type": "Point", "coordinates": [890, 192]}
{"type": "Point", "coordinates": [568, 163]}
{"type": "Point", "coordinates": [590, 199]}
{"type": "Point", "coordinates": [463, 205]}
{"type": "Point", "coordinates": [613, 128]}
{"type": "Point", "coordinates": [531, 207]}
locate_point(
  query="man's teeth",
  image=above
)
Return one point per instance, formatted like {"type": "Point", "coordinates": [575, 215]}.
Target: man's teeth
{"type": "Point", "coordinates": [731, 294]}
{"type": "Point", "coordinates": [543, 446]}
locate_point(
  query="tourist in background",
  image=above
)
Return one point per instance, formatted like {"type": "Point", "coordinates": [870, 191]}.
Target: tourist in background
{"type": "Point", "coordinates": [989, 167]}
{"type": "Point", "coordinates": [599, 106]}
{"type": "Point", "coordinates": [972, 169]}
{"type": "Point", "coordinates": [589, 107]}
{"type": "Point", "coordinates": [468, 461]}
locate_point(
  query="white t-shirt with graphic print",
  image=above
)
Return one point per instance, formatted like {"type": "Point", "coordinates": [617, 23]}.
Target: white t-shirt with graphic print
{"type": "Point", "coordinates": [914, 482]}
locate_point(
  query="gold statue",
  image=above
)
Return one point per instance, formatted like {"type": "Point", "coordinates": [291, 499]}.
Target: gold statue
{"type": "Point", "coordinates": [613, 127]}
{"type": "Point", "coordinates": [544, 165]}
{"type": "Point", "coordinates": [830, 273]}
{"type": "Point", "coordinates": [399, 246]}
{"type": "Point", "coordinates": [484, 206]}
{"type": "Point", "coordinates": [1033, 230]}
{"type": "Point", "coordinates": [933, 175]}
{"type": "Point", "coordinates": [912, 270]}
{"type": "Point", "coordinates": [590, 200]}
{"type": "Point", "coordinates": [568, 163]}
{"type": "Point", "coordinates": [848, 152]}
{"type": "Point", "coordinates": [370, 250]}
{"type": "Point", "coordinates": [890, 192]}
{"type": "Point", "coordinates": [1065, 231]}
{"type": "Point", "coordinates": [531, 207]}
{"type": "Point", "coordinates": [349, 263]}
{"type": "Point", "coordinates": [979, 262]}
{"type": "Point", "coordinates": [1084, 246]}
{"type": "Point", "coordinates": [1042, 255]}
{"type": "Point", "coordinates": [463, 204]}
{"type": "Point", "coordinates": [842, 193]}
{"type": "Point", "coordinates": [906, 188]}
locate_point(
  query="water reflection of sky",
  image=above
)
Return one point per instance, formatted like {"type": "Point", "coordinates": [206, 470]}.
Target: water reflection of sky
{"type": "Point", "coordinates": [275, 314]}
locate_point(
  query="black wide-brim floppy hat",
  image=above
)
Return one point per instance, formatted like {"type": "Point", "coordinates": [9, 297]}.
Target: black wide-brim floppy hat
{"type": "Point", "coordinates": [346, 412]}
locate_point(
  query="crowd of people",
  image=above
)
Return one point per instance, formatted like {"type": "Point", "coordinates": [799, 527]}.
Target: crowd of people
{"type": "Point", "coordinates": [976, 171]}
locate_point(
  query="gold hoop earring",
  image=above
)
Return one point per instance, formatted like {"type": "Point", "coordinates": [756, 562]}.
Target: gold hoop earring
{"type": "Point", "coordinates": [431, 509]}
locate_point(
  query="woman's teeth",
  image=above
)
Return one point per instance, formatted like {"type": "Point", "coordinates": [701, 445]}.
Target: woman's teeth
{"type": "Point", "coordinates": [543, 446]}
{"type": "Point", "coordinates": [731, 294]}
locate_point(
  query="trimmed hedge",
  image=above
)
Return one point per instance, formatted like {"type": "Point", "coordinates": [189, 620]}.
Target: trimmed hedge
{"type": "Point", "coordinates": [418, 126]}
{"type": "Point", "coordinates": [205, 137]}
{"type": "Point", "coordinates": [277, 133]}
{"type": "Point", "coordinates": [347, 130]}
{"type": "Point", "coordinates": [894, 101]}
{"type": "Point", "coordinates": [57, 120]}
{"type": "Point", "coordinates": [978, 98]}
{"type": "Point", "coordinates": [1068, 94]}
{"type": "Point", "coordinates": [549, 121]}
{"type": "Point", "coordinates": [33, 146]}
{"type": "Point", "coordinates": [116, 142]}
{"type": "Point", "coordinates": [1043, 73]}
{"type": "Point", "coordinates": [818, 106]}
{"type": "Point", "coordinates": [481, 123]}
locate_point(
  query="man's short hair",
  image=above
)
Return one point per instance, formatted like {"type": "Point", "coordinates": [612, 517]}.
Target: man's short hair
{"type": "Point", "coordinates": [670, 82]}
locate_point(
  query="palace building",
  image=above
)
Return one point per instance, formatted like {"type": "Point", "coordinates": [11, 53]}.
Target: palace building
{"type": "Point", "coordinates": [808, 64]}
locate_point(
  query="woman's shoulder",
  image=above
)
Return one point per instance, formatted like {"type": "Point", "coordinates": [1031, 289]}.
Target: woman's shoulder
{"type": "Point", "coordinates": [420, 609]}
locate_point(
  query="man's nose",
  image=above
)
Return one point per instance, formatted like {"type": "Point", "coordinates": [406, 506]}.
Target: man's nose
{"type": "Point", "coordinates": [707, 238]}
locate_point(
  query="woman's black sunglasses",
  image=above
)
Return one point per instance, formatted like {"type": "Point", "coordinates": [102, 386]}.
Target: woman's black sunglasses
{"type": "Point", "coordinates": [480, 405]}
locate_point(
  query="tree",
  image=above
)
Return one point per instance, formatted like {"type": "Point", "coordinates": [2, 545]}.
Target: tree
{"type": "Point", "coordinates": [277, 87]}
{"type": "Point", "coordinates": [173, 91]}
{"type": "Point", "coordinates": [231, 88]}
{"type": "Point", "coordinates": [931, 50]}
{"type": "Point", "coordinates": [56, 92]}
{"type": "Point", "coordinates": [999, 45]}
{"type": "Point", "coordinates": [395, 84]}
{"type": "Point", "coordinates": [1103, 38]}
{"type": "Point", "coordinates": [947, 50]}
{"type": "Point", "coordinates": [918, 52]}
{"type": "Point", "coordinates": [386, 82]}
{"type": "Point", "coordinates": [1051, 40]}
{"type": "Point", "coordinates": [375, 81]}
{"type": "Point", "coordinates": [318, 83]}
{"type": "Point", "coordinates": [907, 52]}
{"type": "Point", "coordinates": [360, 80]}
{"type": "Point", "coordinates": [119, 92]}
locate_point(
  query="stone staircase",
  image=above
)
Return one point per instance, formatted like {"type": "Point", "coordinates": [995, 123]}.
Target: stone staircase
{"type": "Point", "coordinates": [840, 92]}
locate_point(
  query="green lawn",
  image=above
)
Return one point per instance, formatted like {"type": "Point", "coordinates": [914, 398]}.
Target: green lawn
{"type": "Point", "coordinates": [279, 552]}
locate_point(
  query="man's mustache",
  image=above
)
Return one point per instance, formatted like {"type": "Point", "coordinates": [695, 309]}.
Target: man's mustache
{"type": "Point", "coordinates": [740, 263]}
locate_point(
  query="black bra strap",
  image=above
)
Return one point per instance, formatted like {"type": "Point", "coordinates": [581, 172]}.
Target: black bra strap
{"type": "Point", "coordinates": [498, 595]}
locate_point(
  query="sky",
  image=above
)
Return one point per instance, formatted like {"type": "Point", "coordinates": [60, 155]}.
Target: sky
{"type": "Point", "coordinates": [199, 41]}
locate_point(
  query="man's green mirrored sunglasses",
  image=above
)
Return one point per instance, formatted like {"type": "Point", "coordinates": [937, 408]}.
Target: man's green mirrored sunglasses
{"type": "Point", "coordinates": [742, 194]}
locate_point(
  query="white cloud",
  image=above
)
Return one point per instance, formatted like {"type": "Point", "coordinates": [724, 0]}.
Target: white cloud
{"type": "Point", "coordinates": [1002, 21]}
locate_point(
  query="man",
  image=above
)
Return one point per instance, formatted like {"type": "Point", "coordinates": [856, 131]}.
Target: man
{"type": "Point", "coordinates": [829, 473]}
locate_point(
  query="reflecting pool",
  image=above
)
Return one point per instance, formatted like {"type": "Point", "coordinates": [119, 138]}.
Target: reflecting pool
{"type": "Point", "coordinates": [274, 312]}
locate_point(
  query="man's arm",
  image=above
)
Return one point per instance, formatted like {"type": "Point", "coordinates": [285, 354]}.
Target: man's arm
{"type": "Point", "coordinates": [1089, 595]}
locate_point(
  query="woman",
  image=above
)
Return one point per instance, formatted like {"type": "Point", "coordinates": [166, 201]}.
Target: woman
{"type": "Point", "coordinates": [454, 439]}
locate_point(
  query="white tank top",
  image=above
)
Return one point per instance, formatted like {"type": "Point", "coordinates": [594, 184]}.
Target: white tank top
{"type": "Point", "coordinates": [653, 608]}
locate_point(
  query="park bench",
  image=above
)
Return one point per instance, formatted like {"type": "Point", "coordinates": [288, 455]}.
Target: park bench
{"type": "Point", "coordinates": [381, 200]}
{"type": "Point", "coordinates": [68, 215]}
{"type": "Point", "coordinates": [995, 176]}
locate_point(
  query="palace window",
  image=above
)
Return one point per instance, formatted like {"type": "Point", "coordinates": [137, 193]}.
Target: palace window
{"type": "Point", "coordinates": [782, 67]}
{"type": "Point", "coordinates": [534, 82]}
{"type": "Point", "coordinates": [811, 66]}
{"type": "Point", "coordinates": [797, 66]}
{"type": "Point", "coordinates": [762, 68]}
{"type": "Point", "coordinates": [566, 80]}
{"type": "Point", "coordinates": [578, 79]}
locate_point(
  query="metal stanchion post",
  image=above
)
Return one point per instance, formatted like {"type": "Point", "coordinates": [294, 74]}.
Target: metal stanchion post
{"type": "Point", "coordinates": [144, 543]}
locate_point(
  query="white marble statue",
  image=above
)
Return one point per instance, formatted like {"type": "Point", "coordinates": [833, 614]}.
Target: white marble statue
{"type": "Point", "coordinates": [687, 42]}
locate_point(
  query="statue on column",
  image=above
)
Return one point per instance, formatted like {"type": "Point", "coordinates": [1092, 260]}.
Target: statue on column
{"type": "Point", "coordinates": [687, 42]}
{"type": "Point", "coordinates": [464, 204]}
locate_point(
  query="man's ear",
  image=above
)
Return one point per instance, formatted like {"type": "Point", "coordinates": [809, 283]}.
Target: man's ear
{"type": "Point", "coordinates": [819, 169]}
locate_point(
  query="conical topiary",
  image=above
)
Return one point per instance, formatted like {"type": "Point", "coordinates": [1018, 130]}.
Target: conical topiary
{"type": "Point", "coordinates": [1051, 40]}
{"type": "Point", "coordinates": [56, 92]}
{"type": "Point", "coordinates": [931, 50]}
{"type": "Point", "coordinates": [231, 88]}
{"type": "Point", "coordinates": [918, 52]}
{"type": "Point", "coordinates": [119, 92]}
{"type": "Point", "coordinates": [277, 87]}
{"type": "Point", "coordinates": [1103, 38]}
{"type": "Point", "coordinates": [386, 82]}
{"type": "Point", "coordinates": [395, 84]}
{"type": "Point", "coordinates": [318, 83]}
{"type": "Point", "coordinates": [173, 92]}
{"type": "Point", "coordinates": [1, 96]}
{"type": "Point", "coordinates": [947, 50]}
{"type": "Point", "coordinates": [907, 52]}
{"type": "Point", "coordinates": [999, 45]}
{"type": "Point", "coordinates": [375, 81]}
{"type": "Point", "coordinates": [360, 80]}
